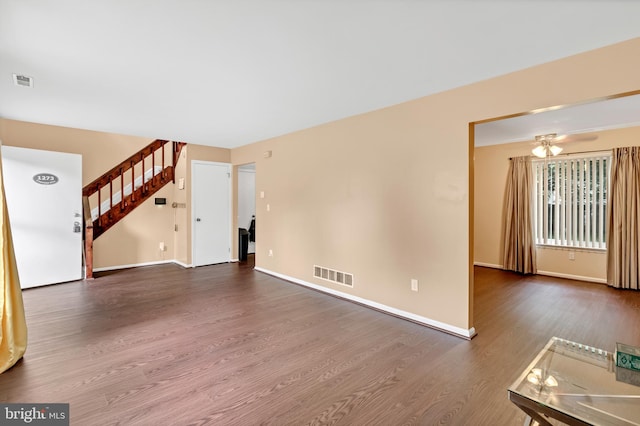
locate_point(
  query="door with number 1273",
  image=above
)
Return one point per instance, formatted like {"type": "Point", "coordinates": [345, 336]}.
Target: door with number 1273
{"type": "Point", "coordinates": [44, 198]}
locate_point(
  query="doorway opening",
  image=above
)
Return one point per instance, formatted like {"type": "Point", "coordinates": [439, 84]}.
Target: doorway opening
{"type": "Point", "coordinates": [584, 124]}
{"type": "Point", "coordinates": [247, 204]}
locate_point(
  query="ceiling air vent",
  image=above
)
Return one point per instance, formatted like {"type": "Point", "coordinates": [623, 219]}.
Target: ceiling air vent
{"type": "Point", "coordinates": [22, 80]}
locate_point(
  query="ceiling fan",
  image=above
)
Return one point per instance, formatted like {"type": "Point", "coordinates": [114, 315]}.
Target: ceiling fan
{"type": "Point", "coordinates": [547, 144]}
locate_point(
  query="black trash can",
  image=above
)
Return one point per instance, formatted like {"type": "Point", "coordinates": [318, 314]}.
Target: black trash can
{"type": "Point", "coordinates": [243, 244]}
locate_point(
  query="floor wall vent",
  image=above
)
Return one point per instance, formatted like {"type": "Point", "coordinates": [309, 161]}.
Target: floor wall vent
{"type": "Point", "coordinates": [332, 275]}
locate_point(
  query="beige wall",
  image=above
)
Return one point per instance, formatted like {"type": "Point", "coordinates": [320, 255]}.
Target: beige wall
{"type": "Point", "coordinates": [385, 195]}
{"type": "Point", "coordinates": [136, 239]}
{"type": "Point", "coordinates": [491, 167]}
{"type": "Point", "coordinates": [132, 241]}
{"type": "Point", "coordinates": [100, 151]}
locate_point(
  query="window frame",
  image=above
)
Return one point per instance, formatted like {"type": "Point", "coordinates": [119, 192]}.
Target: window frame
{"type": "Point", "coordinates": [592, 204]}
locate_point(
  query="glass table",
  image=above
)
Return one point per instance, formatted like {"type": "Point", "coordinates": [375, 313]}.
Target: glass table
{"type": "Point", "coordinates": [577, 385]}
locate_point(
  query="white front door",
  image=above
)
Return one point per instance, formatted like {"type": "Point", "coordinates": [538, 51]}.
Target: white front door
{"type": "Point", "coordinates": [211, 230]}
{"type": "Point", "coordinates": [44, 198]}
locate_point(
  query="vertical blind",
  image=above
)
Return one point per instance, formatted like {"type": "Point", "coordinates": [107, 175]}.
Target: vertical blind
{"type": "Point", "coordinates": [570, 200]}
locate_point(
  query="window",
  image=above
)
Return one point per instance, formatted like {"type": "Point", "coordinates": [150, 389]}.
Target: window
{"type": "Point", "coordinates": [570, 200]}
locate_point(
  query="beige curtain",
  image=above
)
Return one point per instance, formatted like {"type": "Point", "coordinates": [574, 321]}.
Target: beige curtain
{"type": "Point", "coordinates": [519, 249]}
{"type": "Point", "coordinates": [623, 231]}
{"type": "Point", "coordinates": [13, 334]}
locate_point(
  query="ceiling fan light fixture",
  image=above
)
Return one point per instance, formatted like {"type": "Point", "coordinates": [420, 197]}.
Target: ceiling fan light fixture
{"type": "Point", "coordinates": [540, 151]}
{"type": "Point", "coordinates": [555, 150]}
{"type": "Point", "coordinates": [546, 148]}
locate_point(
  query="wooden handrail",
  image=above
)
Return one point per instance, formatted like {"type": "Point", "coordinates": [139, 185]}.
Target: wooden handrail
{"type": "Point", "coordinates": [125, 165]}
{"type": "Point", "coordinates": [104, 185]}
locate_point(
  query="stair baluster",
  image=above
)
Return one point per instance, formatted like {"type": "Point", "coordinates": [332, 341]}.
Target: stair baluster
{"type": "Point", "coordinates": [110, 197]}
{"type": "Point", "coordinates": [121, 190]}
{"type": "Point", "coordinates": [153, 167]}
{"type": "Point", "coordinates": [99, 207]}
{"type": "Point", "coordinates": [133, 180]}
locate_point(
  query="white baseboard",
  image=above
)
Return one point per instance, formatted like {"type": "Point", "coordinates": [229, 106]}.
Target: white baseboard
{"type": "Point", "coordinates": [573, 277]}
{"type": "Point", "coordinates": [456, 331]}
{"type": "Point", "coordinates": [133, 265]}
{"type": "Point", "coordinates": [550, 274]}
{"type": "Point", "coordinates": [488, 265]}
{"type": "Point", "coordinates": [137, 265]}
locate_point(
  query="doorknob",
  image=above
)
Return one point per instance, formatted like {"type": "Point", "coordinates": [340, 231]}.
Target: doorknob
{"type": "Point", "coordinates": [198, 219]}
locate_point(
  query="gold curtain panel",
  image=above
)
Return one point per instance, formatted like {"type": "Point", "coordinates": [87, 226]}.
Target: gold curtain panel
{"type": "Point", "coordinates": [13, 335]}
{"type": "Point", "coordinates": [519, 247]}
{"type": "Point", "coordinates": [623, 211]}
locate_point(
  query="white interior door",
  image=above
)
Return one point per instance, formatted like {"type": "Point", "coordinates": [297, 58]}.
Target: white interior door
{"type": "Point", "coordinates": [44, 198]}
{"type": "Point", "coordinates": [211, 230]}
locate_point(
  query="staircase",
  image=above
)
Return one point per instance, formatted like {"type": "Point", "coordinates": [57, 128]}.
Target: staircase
{"type": "Point", "coordinates": [120, 190]}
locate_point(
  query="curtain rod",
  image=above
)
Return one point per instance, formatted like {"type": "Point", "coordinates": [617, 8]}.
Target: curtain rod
{"type": "Point", "coordinates": [570, 153]}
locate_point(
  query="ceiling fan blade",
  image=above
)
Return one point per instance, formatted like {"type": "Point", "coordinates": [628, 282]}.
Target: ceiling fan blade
{"type": "Point", "coordinates": [578, 137]}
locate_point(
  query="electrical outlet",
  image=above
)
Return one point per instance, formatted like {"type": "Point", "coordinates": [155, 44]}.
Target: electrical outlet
{"type": "Point", "coordinates": [414, 284]}
{"type": "Point", "coordinates": [572, 255]}
{"type": "Point", "coordinates": [270, 253]}
{"type": "Point", "coordinates": [162, 246]}
{"type": "Point", "coordinates": [261, 194]}
{"type": "Point", "coordinates": [268, 207]}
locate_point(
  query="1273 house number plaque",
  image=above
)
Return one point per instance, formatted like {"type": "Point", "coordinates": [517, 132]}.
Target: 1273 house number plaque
{"type": "Point", "coordinates": [45, 179]}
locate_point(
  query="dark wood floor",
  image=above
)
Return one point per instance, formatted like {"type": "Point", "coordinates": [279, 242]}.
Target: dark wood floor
{"type": "Point", "coordinates": [225, 345]}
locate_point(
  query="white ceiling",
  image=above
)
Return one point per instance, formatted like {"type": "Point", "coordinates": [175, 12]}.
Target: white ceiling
{"type": "Point", "coordinates": [231, 72]}
{"type": "Point", "coordinates": [575, 119]}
